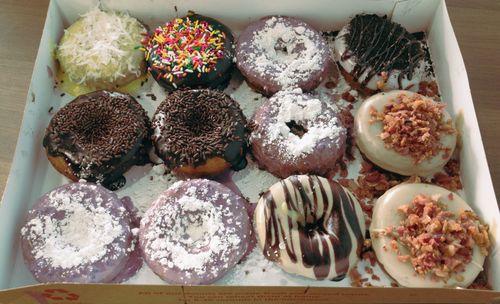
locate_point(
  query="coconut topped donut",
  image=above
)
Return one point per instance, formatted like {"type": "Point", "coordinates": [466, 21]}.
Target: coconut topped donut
{"type": "Point", "coordinates": [191, 52]}
{"type": "Point", "coordinates": [279, 52]}
{"type": "Point", "coordinates": [100, 50]}
{"type": "Point", "coordinates": [195, 232]}
{"type": "Point", "coordinates": [405, 133]}
{"type": "Point", "coordinates": [427, 236]}
{"type": "Point", "coordinates": [78, 232]}
{"type": "Point", "coordinates": [97, 137]}
{"type": "Point", "coordinates": [295, 133]}
{"type": "Point", "coordinates": [379, 54]}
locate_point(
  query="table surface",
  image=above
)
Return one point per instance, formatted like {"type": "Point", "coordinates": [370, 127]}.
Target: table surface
{"type": "Point", "coordinates": [476, 25]}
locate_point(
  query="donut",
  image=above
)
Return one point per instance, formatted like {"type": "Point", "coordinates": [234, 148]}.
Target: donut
{"type": "Point", "coordinates": [374, 53]}
{"type": "Point", "coordinates": [98, 137]}
{"type": "Point", "coordinates": [279, 52]}
{"type": "Point", "coordinates": [310, 226]}
{"type": "Point", "coordinates": [295, 133]}
{"type": "Point", "coordinates": [99, 50]}
{"type": "Point", "coordinates": [405, 133]}
{"type": "Point", "coordinates": [79, 232]}
{"type": "Point", "coordinates": [200, 133]}
{"type": "Point", "coordinates": [191, 52]}
{"type": "Point", "coordinates": [426, 236]}
{"type": "Point", "coordinates": [195, 232]}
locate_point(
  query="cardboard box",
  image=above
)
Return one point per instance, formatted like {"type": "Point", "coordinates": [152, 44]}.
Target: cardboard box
{"type": "Point", "coordinates": [31, 174]}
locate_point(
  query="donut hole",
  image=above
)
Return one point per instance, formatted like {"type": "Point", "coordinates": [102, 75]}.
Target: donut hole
{"type": "Point", "coordinates": [285, 50]}
{"type": "Point", "coordinates": [94, 128]}
{"type": "Point", "coordinates": [199, 122]}
{"type": "Point", "coordinates": [197, 225]}
{"type": "Point", "coordinates": [313, 225]}
{"type": "Point", "coordinates": [296, 128]}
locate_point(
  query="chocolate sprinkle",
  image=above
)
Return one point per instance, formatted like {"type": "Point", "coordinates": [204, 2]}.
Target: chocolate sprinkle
{"type": "Point", "coordinates": [381, 45]}
{"type": "Point", "coordinates": [99, 134]}
{"type": "Point", "coordinates": [192, 126]}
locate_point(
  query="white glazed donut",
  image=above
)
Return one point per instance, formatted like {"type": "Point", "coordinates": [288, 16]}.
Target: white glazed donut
{"type": "Point", "coordinates": [374, 148]}
{"type": "Point", "coordinates": [385, 214]}
{"type": "Point", "coordinates": [310, 226]}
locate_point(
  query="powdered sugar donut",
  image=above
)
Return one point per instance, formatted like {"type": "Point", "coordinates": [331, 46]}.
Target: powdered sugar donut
{"type": "Point", "coordinates": [295, 133]}
{"type": "Point", "coordinates": [279, 52]}
{"type": "Point", "coordinates": [79, 232]}
{"type": "Point", "coordinates": [195, 232]}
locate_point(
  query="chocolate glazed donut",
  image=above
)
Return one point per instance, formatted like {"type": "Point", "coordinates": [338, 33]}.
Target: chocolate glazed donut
{"type": "Point", "coordinates": [192, 73]}
{"type": "Point", "coordinates": [200, 133]}
{"type": "Point", "coordinates": [311, 226]}
{"type": "Point", "coordinates": [98, 137]}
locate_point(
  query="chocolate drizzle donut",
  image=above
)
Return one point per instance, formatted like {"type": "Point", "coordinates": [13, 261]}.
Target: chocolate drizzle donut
{"type": "Point", "coordinates": [379, 54]}
{"type": "Point", "coordinates": [191, 52]}
{"type": "Point", "coordinates": [200, 133]}
{"type": "Point", "coordinates": [97, 137]}
{"type": "Point", "coordinates": [311, 226]}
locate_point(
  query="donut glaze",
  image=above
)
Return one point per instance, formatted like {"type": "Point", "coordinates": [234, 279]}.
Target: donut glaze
{"type": "Point", "coordinates": [79, 232]}
{"type": "Point", "coordinates": [279, 52]}
{"type": "Point", "coordinates": [98, 137]}
{"type": "Point", "coordinates": [369, 142]}
{"type": "Point", "coordinates": [296, 133]}
{"type": "Point", "coordinates": [310, 226]}
{"type": "Point", "coordinates": [195, 232]}
{"type": "Point", "coordinates": [200, 133]}
{"type": "Point", "coordinates": [371, 45]}
{"type": "Point", "coordinates": [202, 57]}
{"type": "Point", "coordinates": [385, 214]}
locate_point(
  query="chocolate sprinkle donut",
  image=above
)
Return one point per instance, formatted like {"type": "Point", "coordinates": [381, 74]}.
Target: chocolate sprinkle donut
{"type": "Point", "coordinates": [100, 135]}
{"type": "Point", "coordinates": [192, 126]}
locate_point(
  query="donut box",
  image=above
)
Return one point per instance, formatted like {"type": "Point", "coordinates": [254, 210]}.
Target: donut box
{"type": "Point", "coordinates": [255, 280]}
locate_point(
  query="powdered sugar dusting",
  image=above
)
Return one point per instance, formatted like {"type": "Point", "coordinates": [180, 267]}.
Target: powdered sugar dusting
{"type": "Point", "coordinates": [252, 181]}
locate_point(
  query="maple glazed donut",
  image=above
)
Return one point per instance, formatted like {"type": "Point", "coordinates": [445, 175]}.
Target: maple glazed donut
{"type": "Point", "coordinates": [98, 137]}
{"type": "Point", "coordinates": [295, 133]}
{"type": "Point", "coordinates": [405, 132]}
{"type": "Point", "coordinates": [100, 50]}
{"type": "Point", "coordinates": [279, 52]}
{"type": "Point", "coordinates": [79, 232]}
{"type": "Point", "coordinates": [374, 54]}
{"type": "Point", "coordinates": [426, 236]}
{"type": "Point", "coordinates": [191, 52]}
{"type": "Point", "coordinates": [310, 226]}
{"type": "Point", "coordinates": [195, 232]}
{"type": "Point", "coordinates": [200, 133]}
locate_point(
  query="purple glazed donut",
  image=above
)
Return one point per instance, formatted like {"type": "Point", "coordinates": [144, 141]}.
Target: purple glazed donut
{"type": "Point", "coordinates": [79, 232]}
{"type": "Point", "coordinates": [195, 232]}
{"type": "Point", "coordinates": [279, 52]}
{"type": "Point", "coordinates": [295, 133]}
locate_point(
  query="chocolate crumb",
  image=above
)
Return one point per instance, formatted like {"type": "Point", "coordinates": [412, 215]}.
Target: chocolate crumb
{"type": "Point", "coordinates": [62, 94]}
{"type": "Point", "coordinates": [50, 110]}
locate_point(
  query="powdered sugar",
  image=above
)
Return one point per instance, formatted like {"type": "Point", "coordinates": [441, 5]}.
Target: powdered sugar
{"type": "Point", "coordinates": [252, 181]}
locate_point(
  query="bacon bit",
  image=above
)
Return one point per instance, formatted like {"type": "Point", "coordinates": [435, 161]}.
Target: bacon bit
{"type": "Point", "coordinates": [394, 246]}
{"type": "Point", "coordinates": [413, 126]}
{"type": "Point", "coordinates": [330, 85]}
{"type": "Point", "coordinates": [450, 178]}
{"type": "Point", "coordinates": [450, 196]}
{"type": "Point", "coordinates": [368, 270]}
{"type": "Point", "coordinates": [347, 120]}
{"type": "Point", "coordinates": [394, 284]}
{"type": "Point", "coordinates": [429, 89]}
{"type": "Point", "coordinates": [347, 96]}
{"type": "Point", "coordinates": [440, 242]}
{"type": "Point", "coordinates": [356, 279]}
{"type": "Point", "coordinates": [375, 277]}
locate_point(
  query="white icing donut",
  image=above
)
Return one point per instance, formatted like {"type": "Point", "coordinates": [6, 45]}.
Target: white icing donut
{"type": "Point", "coordinates": [311, 226]}
{"type": "Point", "coordinates": [385, 214]}
{"type": "Point", "coordinates": [369, 141]}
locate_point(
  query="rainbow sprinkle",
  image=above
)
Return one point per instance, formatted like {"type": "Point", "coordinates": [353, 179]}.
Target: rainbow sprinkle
{"type": "Point", "coordinates": [184, 46]}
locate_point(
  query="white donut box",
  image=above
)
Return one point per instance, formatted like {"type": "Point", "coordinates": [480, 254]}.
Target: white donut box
{"type": "Point", "coordinates": [31, 174]}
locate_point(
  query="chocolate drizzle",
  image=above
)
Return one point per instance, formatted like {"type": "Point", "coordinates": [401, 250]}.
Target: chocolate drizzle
{"type": "Point", "coordinates": [192, 126]}
{"type": "Point", "coordinates": [380, 45]}
{"type": "Point", "coordinates": [320, 226]}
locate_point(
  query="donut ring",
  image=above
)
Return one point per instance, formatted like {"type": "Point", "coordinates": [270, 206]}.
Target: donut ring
{"type": "Point", "coordinates": [98, 137]}
{"type": "Point", "coordinates": [202, 57]}
{"type": "Point", "coordinates": [279, 52]}
{"type": "Point", "coordinates": [310, 226]}
{"type": "Point", "coordinates": [78, 232]}
{"type": "Point", "coordinates": [368, 67]}
{"type": "Point", "coordinates": [385, 214]}
{"type": "Point", "coordinates": [200, 133]}
{"type": "Point", "coordinates": [374, 148]}
{"type": "Point", "coordinates": [195, 232]}
{"type": "Point", "coordinates": [296, 133]}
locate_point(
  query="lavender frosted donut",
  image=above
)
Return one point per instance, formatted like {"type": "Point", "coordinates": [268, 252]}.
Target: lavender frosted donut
{"type": "Point", "coordinates": [195, 232]}
{"type": "Point", "coordinates": [295, 133]}
{"type": "Point", "coordinates": [79, 232]}
{"type": "Point", "coordinates": [279, 52]}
